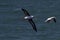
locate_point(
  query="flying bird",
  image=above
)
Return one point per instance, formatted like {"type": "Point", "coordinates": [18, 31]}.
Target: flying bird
{"type": "Point", "coordinates": [29, 18]}
{"type": "Point", "coordinates": [50, 19]}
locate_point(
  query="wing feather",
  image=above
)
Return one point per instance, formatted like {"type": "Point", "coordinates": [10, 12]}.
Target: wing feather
{"type": "Point", "coordinates": [54, 20]}
{"type": "Point", "coordinates": [25, 12]}
{"type": "Point", "coordinates": [33, 24]}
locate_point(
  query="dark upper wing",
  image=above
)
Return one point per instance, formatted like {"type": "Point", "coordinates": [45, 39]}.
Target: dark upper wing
{"type": "Point", "coordinates": [33, 24]}
{"type": "Point", "coordinates": [25, 12]}
{"type": "Point", "coordinates": [54, 20]}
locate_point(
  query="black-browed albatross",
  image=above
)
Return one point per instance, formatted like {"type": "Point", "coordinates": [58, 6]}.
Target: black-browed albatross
{"type": "Point", "coordinates": [29, 18]}
{"type": "Point", "coordinates": [50, 19]}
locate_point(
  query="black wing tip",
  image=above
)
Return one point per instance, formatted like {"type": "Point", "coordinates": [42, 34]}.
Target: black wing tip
{"type": "Point", "coordinates": [22, 9]}
{"type": "Point", "coordinates": [36, 30]}
{"type": "Point", "coordinates": [54, 20]}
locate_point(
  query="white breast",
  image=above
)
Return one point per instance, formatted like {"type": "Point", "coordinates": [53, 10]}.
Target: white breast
{"type": "Point", "coordinates": [28, 17]}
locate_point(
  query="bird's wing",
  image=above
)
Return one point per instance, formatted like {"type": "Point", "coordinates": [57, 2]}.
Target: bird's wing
{"type": "Point", "coordinates": [25, 12]}
{"type": "Point", "coordinates": [33, 24]}
{"type": "Point", "coordinates": [54, 20]}
{"type": "Point", "coordinates": [48, 21]}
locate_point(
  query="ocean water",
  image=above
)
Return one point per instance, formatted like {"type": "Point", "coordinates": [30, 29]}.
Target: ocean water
{"type": "Point", "coordinates": [14, 27]}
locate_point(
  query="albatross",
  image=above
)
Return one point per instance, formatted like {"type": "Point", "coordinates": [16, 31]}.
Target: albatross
{"type": "Point", "coordinates": [50, 19]}
{"type": "Point", "coordinates": [29, 18]}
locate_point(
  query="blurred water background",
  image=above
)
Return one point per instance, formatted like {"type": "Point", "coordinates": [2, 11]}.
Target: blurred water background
{"type": "Point", "coordinates": [14, 27]}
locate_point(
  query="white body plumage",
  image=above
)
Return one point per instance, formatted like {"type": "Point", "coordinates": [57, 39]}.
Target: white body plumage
{"type": "Point", "coordinates": [28, 17]}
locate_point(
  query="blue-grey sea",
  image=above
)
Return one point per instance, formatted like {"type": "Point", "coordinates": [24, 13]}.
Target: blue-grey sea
{"type": "Point", "coordinates": [14, 27]}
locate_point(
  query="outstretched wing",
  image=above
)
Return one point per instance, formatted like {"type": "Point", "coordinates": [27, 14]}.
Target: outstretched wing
{"type": "Point", "coordinates": [33, 24]}
{"type": "Point", "coordinates": [54, 20]}
{"type": "Point", "coordinates": [47, 21]}
{"type": "Point", "coordinates": [25, 12]}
